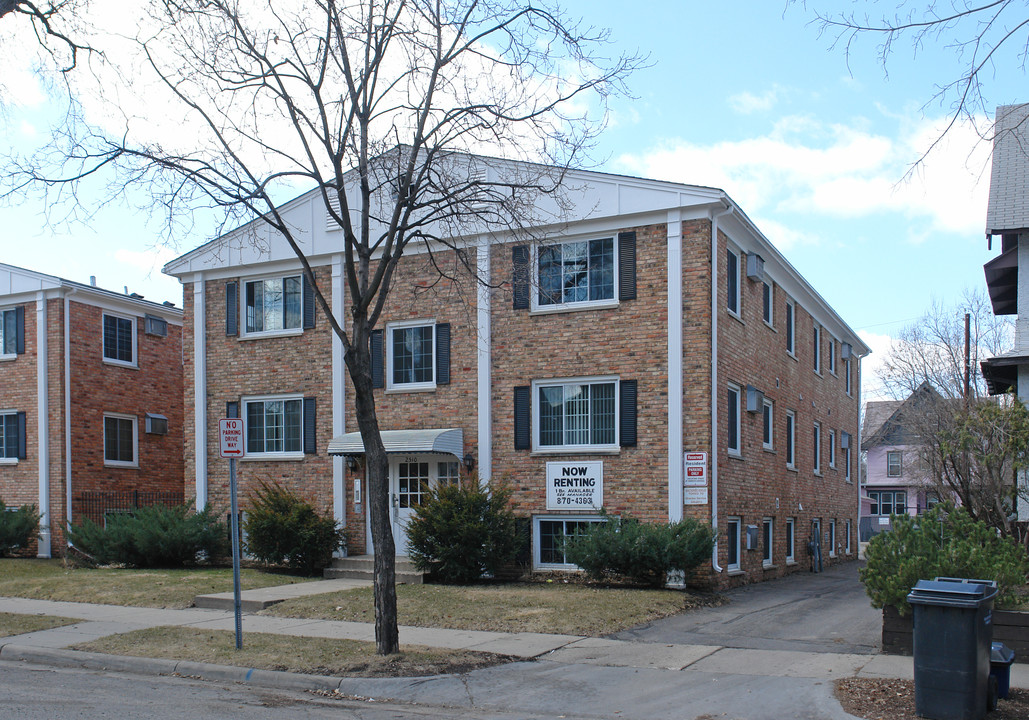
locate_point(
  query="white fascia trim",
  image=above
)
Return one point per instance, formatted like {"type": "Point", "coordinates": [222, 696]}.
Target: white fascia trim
{"type": "Point", "coordinates": [675, 367]}
{"type": "Point", "coordinates": [484, 360]}
{"type": "Point", "coordinates": [200, 390]}
{"type": "Point", "coordinates": [43, 428]}
{"type": "Point", "coordinates": [339, 505]}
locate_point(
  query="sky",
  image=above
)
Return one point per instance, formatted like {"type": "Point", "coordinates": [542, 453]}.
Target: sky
{"type": "Point", "coordinates": [819, 150]}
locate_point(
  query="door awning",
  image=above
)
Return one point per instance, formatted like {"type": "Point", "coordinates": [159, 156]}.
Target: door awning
{"type": "Point", "coordinates": [448, 441]}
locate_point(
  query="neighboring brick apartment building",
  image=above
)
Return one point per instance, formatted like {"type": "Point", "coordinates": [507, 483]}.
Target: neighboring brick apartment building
{"type": "Point", "coordinates": [91, 409]}
{"type": "Point", "coordinates": [581, 373]}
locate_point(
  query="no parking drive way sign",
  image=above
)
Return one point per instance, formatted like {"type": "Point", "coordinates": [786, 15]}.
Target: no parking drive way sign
{"type": "Point", "coordinates": [230, 432]}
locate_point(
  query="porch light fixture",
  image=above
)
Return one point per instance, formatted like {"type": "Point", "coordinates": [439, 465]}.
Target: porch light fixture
{"type": "Point", "coordinates": [469, 462]}
{"type": "Point", "coordinates": [351, 462]}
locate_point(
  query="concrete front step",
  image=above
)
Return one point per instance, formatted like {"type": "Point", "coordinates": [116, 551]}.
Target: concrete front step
{"type": "Point", "coordinates": [362, 567]}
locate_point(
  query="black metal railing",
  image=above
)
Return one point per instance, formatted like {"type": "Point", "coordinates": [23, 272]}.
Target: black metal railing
{"type": "Point", "coordinates": [96, 504]}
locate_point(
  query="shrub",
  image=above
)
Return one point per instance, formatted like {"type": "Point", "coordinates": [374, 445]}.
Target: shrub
{"type": "Point", "coordinates": [17, 528]}
{"type": "Point", "coordinates": [154, 536]}
{"type": "Point", "coordinates": [943, 542]}
{"type": "Point", "coordinates": [463, 531]}
{"type": "Point", "coordinates": [284, 529]}
{"type": "Point", "coordinates": [642, 552]}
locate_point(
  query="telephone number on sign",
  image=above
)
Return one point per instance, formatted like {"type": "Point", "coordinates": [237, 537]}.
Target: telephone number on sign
{"type": "Point", "coordinates": [575, 501]}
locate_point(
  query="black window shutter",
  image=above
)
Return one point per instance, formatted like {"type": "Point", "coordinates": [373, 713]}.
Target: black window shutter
{"type": "Point", "coordinates": [310, 434]}
{"type": "Point", "coordinates": [232, 409]}
{"type": "Point", "coordinates": [627, 421]}
{"type": "Point", "coordinates": [442, 353]}
{"type": "Point", "coordinates": [522, 417]}
{"type": "Point", "coordinates": [520, 276]}
{"type": "Point", "coordinates": [232, 308]}
{"type": "Point", "coordinates": [22, 454]}
{"type": "Point", "coordinates": [19, 314]}
{"type": "Point", "coordinates": [308, 304]}
{"type": "Point", "coordinates": [627, 266]}
{"type": "Point", "coordinates": [378, 371]}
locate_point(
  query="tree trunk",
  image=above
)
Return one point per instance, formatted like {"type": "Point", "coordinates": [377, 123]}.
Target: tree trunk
{"type": "Point", "coordinates": [387, 640]}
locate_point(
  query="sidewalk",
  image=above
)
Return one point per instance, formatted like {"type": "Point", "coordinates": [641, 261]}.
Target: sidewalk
{"type": "Point", "coordinates": [584, 672]}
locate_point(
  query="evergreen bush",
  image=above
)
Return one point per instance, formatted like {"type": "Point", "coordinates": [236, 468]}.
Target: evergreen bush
{"type": "Point", "coordinates": [943, 542]}
{"type": "Point", "coordinates": [17, 528]}
{"type": "Point", "coordinates": [645, 553]}
{"type": "Point", "coordinates": [283, 529]}
{"type": "Point", "coordinates": [463, 531]}
{"type": "Point", "coordinates": [153, 536]}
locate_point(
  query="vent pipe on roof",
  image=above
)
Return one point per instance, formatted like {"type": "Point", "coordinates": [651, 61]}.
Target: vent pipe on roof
{"type": "Point", "coordinates": [92, 280]}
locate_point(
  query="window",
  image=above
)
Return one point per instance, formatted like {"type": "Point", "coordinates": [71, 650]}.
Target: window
{"type": "Point", "coordinates": [893, 463]}
{"type": "Point", "coordinates": [791, 327]}
{"type": "Point", "coordinates": [832, 449]}
{"type": "Point", "coordinates": [888, 502]}
{"type": "Point", "coordinates": [412, 356]}
{"type": "Point", "coordinates": [12, 331]}
{"type": "Point", "coordinates": [733, 418]}
{"type": "Point", "coordinates": [817, 446]}
{"type": "Point", "coordinates": [576, 272]}
{"type": "Point", "coordinates": [119, 340]}
{"type": "Point", "coordinates": [732, 270]}
{"type": "Point", "coordinates": [274, 426]}
{"type": "Point", "coordinates": [846, 463]}
{"type": "Point", "coordinates": [274, 305]}
{"type": "Point", "coordinates": [846, 540]}
{"type": "Point", "coordinates": [12, 435]}
{"type": "Point", "coordinates": [156, 326]}
{"type": "Point", "coordinates": [767, 302]}
{"type": "Point", "coordinates": [791, 555]}
{"type": "Point", "coordinates": [766, 541]}
{"type": "Point", "coordinates": [832, 538]}
{"type": "Point", "coordinates": [576, 414]}
{"type": "Point", "coordinates": [550, 537]}
{"type": "Point", "coordinates": [766, 423]}
{"type": "Point", "coordinates": [817, 338]}
{"type": "Point", "coordinates": [832, 355]}
{"type": "Point", "coordinates": [846, 372]}
{"type": "Point", "coordinates": [791, 427]}
{"type": "Point", "coordinates": [120, 440]}
{"type": "Point", "coordinates": [412, 484]}
{"type": "Point", "coordinates": [449, 473]}
{"type": "Point", "coordinates": [732, 539]}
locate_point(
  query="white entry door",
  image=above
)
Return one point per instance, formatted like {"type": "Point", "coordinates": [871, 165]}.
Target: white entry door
{"type": "Point", "coordinates": [411, 478]}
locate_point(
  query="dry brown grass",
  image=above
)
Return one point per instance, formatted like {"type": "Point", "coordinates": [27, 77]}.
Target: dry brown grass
{"type": "Point", "coordinates": [314, 656]}
{"type": "Point", "coordinates": [13, 624]}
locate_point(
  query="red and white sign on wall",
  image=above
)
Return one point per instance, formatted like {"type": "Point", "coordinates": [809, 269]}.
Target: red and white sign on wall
{"type": "Point", "coordinates": [695, 465]}
{"type": "Point", "coordinates": [230, 433]}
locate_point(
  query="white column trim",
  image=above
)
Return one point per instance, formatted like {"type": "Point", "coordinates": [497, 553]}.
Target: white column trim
{"type": "Point", "coordinates": [200, 389]}
{"type": "Point", "coordinates": [484, 362]}
{"type": "Point", "coordinates": [43, 426]}
{"type": "Point", "coordinates": [339, 408]}
{"type": "Point", "coordinates": [675, 366]}
{"type": "Point", "coordinates": [67, 406]}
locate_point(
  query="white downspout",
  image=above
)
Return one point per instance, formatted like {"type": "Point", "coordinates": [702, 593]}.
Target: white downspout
{"type": "Point", "coordinates": [714, 379]}
{"type": "Point", "coordinates": [43, 548]}
{"type": "Point", "coordinates": [67, 409]}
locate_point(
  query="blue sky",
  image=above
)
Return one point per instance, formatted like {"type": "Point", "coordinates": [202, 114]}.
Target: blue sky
{"type": "Point", "coordinates": [744, 96]}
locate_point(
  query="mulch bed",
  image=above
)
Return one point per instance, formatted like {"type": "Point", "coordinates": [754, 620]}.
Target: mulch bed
{"type": "Point", "coordinates": [895, 700]}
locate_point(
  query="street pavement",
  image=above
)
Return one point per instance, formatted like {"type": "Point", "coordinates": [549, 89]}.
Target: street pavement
{"type": "Point", "coordinates": [667, 669]}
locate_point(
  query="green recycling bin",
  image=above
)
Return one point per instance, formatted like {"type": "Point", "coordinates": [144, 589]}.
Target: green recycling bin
{"type": "Point", "coordinates": [953, 631]}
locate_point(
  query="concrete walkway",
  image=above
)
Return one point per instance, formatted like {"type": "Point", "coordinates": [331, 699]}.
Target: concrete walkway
{"type": "Point", "coordinates": [567, 666]}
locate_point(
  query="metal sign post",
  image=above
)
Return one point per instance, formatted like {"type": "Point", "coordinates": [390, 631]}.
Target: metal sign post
{"type": "Point", "coordinates": [231, 434]}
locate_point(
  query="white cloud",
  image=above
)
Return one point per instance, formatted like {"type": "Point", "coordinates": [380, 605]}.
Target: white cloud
{"type": "Point", "coordinates": [747, 102]}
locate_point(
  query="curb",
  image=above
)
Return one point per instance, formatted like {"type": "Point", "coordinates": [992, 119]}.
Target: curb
{"type": "Point", "coordinates": [276, 679]}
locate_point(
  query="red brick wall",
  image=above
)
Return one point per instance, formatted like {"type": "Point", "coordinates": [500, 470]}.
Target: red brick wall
{"type": "Point", "coordinates": [19, 484]}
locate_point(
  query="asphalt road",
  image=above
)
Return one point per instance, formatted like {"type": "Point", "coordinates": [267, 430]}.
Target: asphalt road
{"type": "Point", "coordinates": [823, 612]}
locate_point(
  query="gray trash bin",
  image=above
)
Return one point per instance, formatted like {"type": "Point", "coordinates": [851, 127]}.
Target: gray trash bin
{"type": "Point", "coordinates": [953, 631]}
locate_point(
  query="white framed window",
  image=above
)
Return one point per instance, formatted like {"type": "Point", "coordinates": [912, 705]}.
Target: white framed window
{"type": "Point", "coordinates": [832, 355]}
{"type": "Point", "coordinates": [579, 273]}
{"type": "Point", "coordinates": [732, 437]}
{"type": "Point", "coordinates": [832, 538]}
{"type": "Point", "coordinates": [767, 541]}
{"type": "Point", "coordinates": [791, 437]}
{"type": "Point", "coordinates": [8, 334]}
{"type": "Point", "coordinates": [411, 355]}
{"type": "Point", "coordinates": [575, 414]}
{"type": "Point", "coordinates": [448, 473]}
{"type": "Point", "coordinates": [888, 502]}
{"type": "Point", "coordinates": [817, 447]}
{"type": "Point", "coordinates": [832, 449]}
{"type": "Point", "coordinates": [894, 463]}
{"type": "Point", "coordinates": [273, 305]}
{"type": "Point", "coordinates": [817, 342]}
{"type": "Point", "coordinates": [12, 440]}
{"type": "Point", "coordinates": [732, 287]}
{"type": "Point", "coordinates": [791, 540]}
{"type": "Point", "coordinates": [732, 543]}
{"type": "Point", "coordinates": [768, 303]}
{"type": "Point", "coordinates": [846, 540]}
{"type": "Point", "coordinates": [846, 463]}
{"type": "Point", "coordinates": [121, 442]}
{"type": "Point", "coordinates": [791, 328]}
{"type": "Point", "coordinates": [549, 541]}
{"type": "Point", "coordinates": [767, 424]}
{"type": "Point", "coordinates": [274, 426]}
{"type": "Point", "coordinates": [119, 340]}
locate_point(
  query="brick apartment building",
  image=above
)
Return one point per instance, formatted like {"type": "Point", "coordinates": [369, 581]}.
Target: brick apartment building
{"type": "Point", "coordinates": [654, 354]}
{"type": "Point", "coordinates": [90, 401]}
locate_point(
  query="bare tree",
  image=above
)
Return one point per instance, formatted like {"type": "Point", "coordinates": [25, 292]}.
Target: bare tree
{"type": "Point", "coordinates": [381, 106]}
{"type": "Point", "coordinates": [54, 24]}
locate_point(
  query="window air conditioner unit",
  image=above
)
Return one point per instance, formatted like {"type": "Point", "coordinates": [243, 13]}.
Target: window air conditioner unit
{"type": "Point", "coordinates": [845, 440]}
{"type": "Point", "coordinates": [846, 351]}
{"type": "Point", "coordinates": [156, 424]}
{"type": "Point", "coordinates": [755, 266]}
{"type": "Point", "coordinates": [751, 537]}
{"type": "Point", "coordinates": [156, 326]}
{"type": "Point", "coordinates": [755, 399]}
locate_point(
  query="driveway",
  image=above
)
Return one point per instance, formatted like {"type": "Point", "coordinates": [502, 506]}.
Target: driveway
{"type": "Point", "coordinates": [824, 612]}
